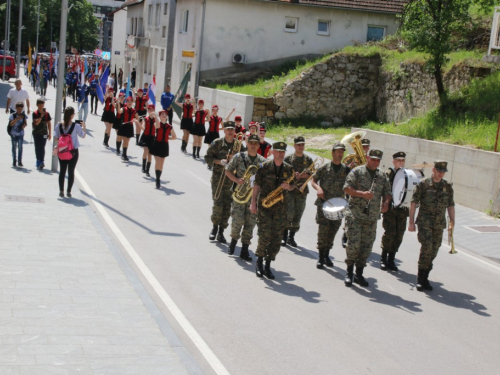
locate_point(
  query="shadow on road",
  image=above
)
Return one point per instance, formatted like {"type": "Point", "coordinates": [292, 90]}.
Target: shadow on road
{"type": "Point", "coordinates": [456, 299]}
{"type": "Point", "coordinates": [282, 285]}
{"type": "Point", "coordinates": [74, 202]}
{"type": "Point", "coordinates": [301, 251]}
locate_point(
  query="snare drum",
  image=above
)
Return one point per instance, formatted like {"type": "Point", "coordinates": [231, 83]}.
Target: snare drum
{"type": "Point", "coordinates": [403, 187]}
{"type": "Point", "coordinates": [334, 208]}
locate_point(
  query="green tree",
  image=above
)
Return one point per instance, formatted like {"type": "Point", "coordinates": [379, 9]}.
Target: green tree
{"type": "Point", "coordinates": [432, 26]}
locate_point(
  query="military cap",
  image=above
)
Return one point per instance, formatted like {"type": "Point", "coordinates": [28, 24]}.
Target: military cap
{"type": "Point", "coordinates": [365, 142]}
{"type": "Point", "coordinates": [229, 125]}
{"type": "Point", "coordinates": [299, 140]}
{"type": "Point", "coordinates": [279, 146]}
{"type": "Point", "coordinates": [253, 138]}
{"type": "Point", "coordinates": [375, 154]}
{"type": "Point", "coordinates": [338, 146]}
{"type": "Point", "coordinates": [441, 165]}
{"type": "Point", "coordinates": [399, 155]}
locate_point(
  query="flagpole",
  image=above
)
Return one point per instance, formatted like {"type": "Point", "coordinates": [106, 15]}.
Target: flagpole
{"type": "Point", "coordinates": [19, 33]}
{"type": "Point", "coordinates": [37, 29]}
{"type": "Point", "coordinates": [7, 35]}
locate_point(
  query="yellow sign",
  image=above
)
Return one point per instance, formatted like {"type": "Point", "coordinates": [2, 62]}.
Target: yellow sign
{"type": "Point", "coordinates": [187, 53]}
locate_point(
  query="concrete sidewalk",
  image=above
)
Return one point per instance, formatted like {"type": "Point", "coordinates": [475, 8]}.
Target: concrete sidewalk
{"type": "Point", "coordinates": [69, 301]}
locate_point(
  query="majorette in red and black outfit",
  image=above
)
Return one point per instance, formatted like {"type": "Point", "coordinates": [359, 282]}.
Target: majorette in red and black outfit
{"type": "Point", "coordinates": [214, 124]}
{"type": "Point", "coordinates": [160, 148]}
{"type": "Point", "coordinates": [239, 128]}
{"type": "Point", "coordinates": [186, 120]}
{"type": "Point", "coordinates": [141, 102]}
{"type": "Point", "coordinates": [117, 123]}
{"type": "Point", "coordinates": [148, 137]}
{"type": "Point", "coordinates": [264, 147]}
{"type": "Point", "coordinates": [108, 115]}
{"type": "Point", "coordinates": [200, 117]}
{"type": "Point", "coordinates": [126, 131]}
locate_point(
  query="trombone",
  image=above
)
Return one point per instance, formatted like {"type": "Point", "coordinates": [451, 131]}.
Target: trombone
{"type": "Point", "coordinates": [311, 170]}
{"type": "Point", "coordinates": [236, 148]}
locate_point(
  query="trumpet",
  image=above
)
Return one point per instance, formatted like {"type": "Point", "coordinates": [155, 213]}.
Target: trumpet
{"type": "Point", "coordinates": [310, 171]}
{"type": "Point", "coordinates": [451, 243]}
{"type": "Point", "coordinates": [276, 195]}
{"type": "Point", "coordinates": [243, 193]}
{"type": "Point", "coordinates": [236, 148]}
{"type": "Point", "coordinates": [372, 189]}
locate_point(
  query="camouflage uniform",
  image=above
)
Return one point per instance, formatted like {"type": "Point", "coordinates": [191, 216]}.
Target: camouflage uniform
{"type": "Point", "coordinates": [362, 227]}
{"type": "Point", "coordinates": [434, 198]}
{"type": "Point", "coordinates": [295, 200]}
{"type": "Point", "coordinates": [394, 223]}
{"type": "Point", "coordinates": [332, 184]}
{"type": "Point", "coordinates": [271, 221]}
{"type": "Point", "coordinates": [221, 209]}
{"type": "Point", "coordinates": [240, 213]}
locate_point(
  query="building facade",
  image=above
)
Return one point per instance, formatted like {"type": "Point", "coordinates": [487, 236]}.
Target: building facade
{"type": "Point", "coordinates": [104, 11]}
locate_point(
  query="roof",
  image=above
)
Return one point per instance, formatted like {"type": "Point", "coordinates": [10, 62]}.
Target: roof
{"type": "Point", "coordinates": [384, 6]}
{"type": "Point", "coordinates": [130, 3]}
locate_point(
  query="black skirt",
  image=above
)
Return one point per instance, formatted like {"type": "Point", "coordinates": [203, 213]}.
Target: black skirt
{"type": "Point", "coordinates": [187, 124]}
{"type": "Point", "coordinates": [126, 130]}
{"type": "Point", "coordinates": [108, 116]}
{"type": "Point", "coordinates": [147, 141]}
{"type": "Point", "coordinates": [198, 129]}
{"type": "Point", "coordinates": [159, 149]}
{"type": "Point", "coordinates": [117, 123]}
{"type": "Point", "coordinates": [142, 114]}
{"type": "Point", "coordinates": [210, 137]}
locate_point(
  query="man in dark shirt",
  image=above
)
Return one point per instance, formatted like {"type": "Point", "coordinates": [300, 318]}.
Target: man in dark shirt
{"type": "Point", "coordinates": [42, 131]}
{"type": "Point", "coordinates": [132, 78]}
{"type": "Point", "coordinates": [93, 94]}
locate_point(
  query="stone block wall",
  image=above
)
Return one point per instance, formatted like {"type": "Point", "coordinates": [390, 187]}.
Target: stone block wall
{"type": "Point", "coordinates": [264, 109]}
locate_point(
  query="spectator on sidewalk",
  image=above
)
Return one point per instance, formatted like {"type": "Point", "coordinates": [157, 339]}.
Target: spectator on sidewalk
{"type": "Point", "coordinates": [17, 123]}
{"type": "Point", "coordinates": [45, 80]}
{"type": "Point", "coordinates": [42, 131]}
{"type": "Point", "coordinates": [93, 95]}
{"type": "Point", "coordinates": [76, 130]}
{"type": "Point", "coordinates": [74, 85]}
{"type": "Point", "coordinates": [53, 75]}
{"type": "Point", "coordinates": [15, 95]}
{"type": "Point", "coordinates": [120, 78]}
{"type": "Point", "coordinates": [83, 101]}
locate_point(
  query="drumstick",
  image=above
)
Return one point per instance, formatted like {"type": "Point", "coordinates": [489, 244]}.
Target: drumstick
{"type": "Point", "coordinates": [129, 122]}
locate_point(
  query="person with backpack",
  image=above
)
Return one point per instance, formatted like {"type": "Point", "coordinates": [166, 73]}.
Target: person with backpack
{"type": "Point", "coordinates": [15, 128]}
{"type": "Point", "coordinates": [42, 131]}
{"type": "Point", "coordinates": [67, 133]}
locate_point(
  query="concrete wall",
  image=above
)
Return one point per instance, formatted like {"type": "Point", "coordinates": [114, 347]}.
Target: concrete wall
{"type": "Point", "coordinates": [227, 101]}
{"type": "Point", "coordinates": [475, 174]}
{"type": "Point", "coordinates": [119, 39]}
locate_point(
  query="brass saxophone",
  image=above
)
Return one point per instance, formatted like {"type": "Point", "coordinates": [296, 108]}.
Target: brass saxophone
{"type": "Point", "coordinates": [243, 193]}
{"type": "Point", "coordinates": [276, 195]}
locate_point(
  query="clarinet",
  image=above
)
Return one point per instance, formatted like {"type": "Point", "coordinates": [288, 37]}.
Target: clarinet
{"type": "Point", "coordinates": [374, 183]}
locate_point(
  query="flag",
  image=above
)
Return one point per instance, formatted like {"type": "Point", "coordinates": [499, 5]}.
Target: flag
{"type": "Point", "coordinates": [30, 64]}
{"type": "Point", "coordinates": [151, 92]}
{"type": "Point", "coordinates": [127, 92]}
{"type": "Point", "coordinates": [86, 67]}
{"type": "Point", "coordinates": [101, 87]}
{"type": "Point", "coordinates": [115, 86]}
{"type": "Point", "coordinates": [50, 61]}
{"type": "Point", "coordinates": [182, 91]}
{"type": "Point", "coordinates": [57, 61]}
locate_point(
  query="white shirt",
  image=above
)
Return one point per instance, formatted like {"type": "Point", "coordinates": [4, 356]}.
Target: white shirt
{"type": "Point", "coordinates": [16, 95]}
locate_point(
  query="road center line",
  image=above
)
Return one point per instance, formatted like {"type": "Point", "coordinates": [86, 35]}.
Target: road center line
{"type": "Point", "coordinates": [202, 346]}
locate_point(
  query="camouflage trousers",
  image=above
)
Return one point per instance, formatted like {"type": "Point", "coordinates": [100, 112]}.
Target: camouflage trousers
{"type": "Point", "coordinates": [327, 229]}
{"type": "Point", "coordinates": [430, 239]}
{"type": "Point", "coordinates": [270, 224]}
{"type": "Point", "coordinates": [242, 218]}
{"type": "Point", "coordinates": [295, 206]}
{"type": "Point", "coordinates": [221, 209]}
{"type": "Point", "coordinates": [360, 237]}
{"type": "Point", "coordinates": [394, 223]}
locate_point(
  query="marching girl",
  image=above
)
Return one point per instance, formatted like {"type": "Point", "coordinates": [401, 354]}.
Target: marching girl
{"type": "Point", "coordinates": [198, 131]}
{"type": "Point", "coordinates": [187, 120]}
{"type": "Point", "coordinates": [214, 125]}
{"type": "Point", "coordinates": [264, 147]}
{"type": "Point", "coordinates": [108, 116]}
{"type": "Point", "coordinates": [149, 125]}
{"type": "Point", "coordinates": [160, 149]}
{"type": "Point", "coordinates": [126, 130]}
{"type": "Point", "coordinates": [119, 103]}
{"type": "Point", "coordinates": [141, 103]}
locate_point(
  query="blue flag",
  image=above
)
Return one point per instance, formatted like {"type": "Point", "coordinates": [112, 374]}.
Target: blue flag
{"type": "Point", "coordinates": [101, 87]}
{"type": "Point", "coordinates": [128, 92]}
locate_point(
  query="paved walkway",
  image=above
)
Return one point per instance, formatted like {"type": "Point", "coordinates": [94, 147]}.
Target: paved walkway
{"type": "Point", "coordinates": [69, 302]}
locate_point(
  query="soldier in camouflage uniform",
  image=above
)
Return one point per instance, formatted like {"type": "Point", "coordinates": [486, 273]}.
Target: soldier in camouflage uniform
{"type": "Point", "coordinates": [435, 196]}
{"type": "Point", "coordinates": [216, 158]}
{"type": "Point", "coordinates": [394, 221]}
{"type": "Point", "coordinates": [366, 185]}
{"type": "Point", "coordinates": [295, 200]}
{"type": "Point", "coordinates": [270, 221]}
{"type": "Point", "coordinates": [328, 181]}
{"type": "Point", "coordinates": [241, 216]}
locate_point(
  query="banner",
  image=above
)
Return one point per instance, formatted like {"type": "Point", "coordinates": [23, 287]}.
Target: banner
{"type": "Point", "coordinates": [181, 92]}
{"type": "Point", "coordinates": [30, 64]}
{"type": "Point", "coordinates": [151, 92]}
{"type": "Point", "coordinates": [101, 87]}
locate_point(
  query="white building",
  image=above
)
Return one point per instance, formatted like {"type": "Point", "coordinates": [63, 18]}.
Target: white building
{"type": "Point", "coordinates": [103, 10]}
{"type": "Point", "coordinates": [223, 39]}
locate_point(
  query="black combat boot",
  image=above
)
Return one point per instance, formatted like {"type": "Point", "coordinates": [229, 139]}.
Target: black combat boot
{"type": "Point", "coordinates": [358, 277]}
{"type": "Point", "coordinates": [144, 165]}
{"type": "Point", "coordinates": [213, 233]}
{"type": "Point", "coordinates": [244, 254]}
{"type": "Point", "coordinates": [267, 271]}
{"type": "Point", "coordinates": [390, 262]}
{"type": "Point", "coordinates": [344, 240]}
{"type": "Point", "coordinates": [383, 260]}
{"type": "Point", "coordinates": [220, 235]}
{"type": "Point", "coordinates": [259, 267]}
{"type": "Point", "coordinates": [348, 276]}
{"type": "Point", "coordinates": [420, 280]}
{"type": "Point", "coordinates": [285, 237]}
{"type": "Point", "coordinates": [291, 239]}
{"type": "Point", "coordinates": [321, 259]}
{"type": "Point", "coordinates": [232, 246]}
{"type": "Point", "coordinates": [427, 285]}
{"type": "Point", "coordinates": [328, 261]}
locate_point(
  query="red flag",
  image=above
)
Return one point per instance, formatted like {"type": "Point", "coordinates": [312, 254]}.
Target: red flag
{"type": "Point", "coordinates": [50, 61]}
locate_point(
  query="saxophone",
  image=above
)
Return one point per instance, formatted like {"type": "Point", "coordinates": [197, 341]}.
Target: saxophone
{"type": "Point", "coordinates": [243, 193]}
{"type": "Point", "coordinates": [276, 195]}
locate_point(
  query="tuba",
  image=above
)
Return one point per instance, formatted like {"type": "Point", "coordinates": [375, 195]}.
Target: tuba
{"type": "Point", "coordinates": [243, 193]}
{"type": "Point", "coordinates": [310, 171]}
{"type": "Point", "coordinates": [276, 195]}
{"type": "Point", "coordinates": [236, 148]}
{"type": "Point", "coordinates": [354, 139]}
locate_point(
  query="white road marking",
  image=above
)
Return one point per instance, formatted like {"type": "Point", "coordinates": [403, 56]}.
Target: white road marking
{"type": "Point", "coordinates": [202, 346]}
{"type": "Point", "coordinates": [197, 177]}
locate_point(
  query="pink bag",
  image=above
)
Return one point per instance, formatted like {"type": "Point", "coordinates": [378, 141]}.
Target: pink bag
{"type": "Point", "coordinates": [65, 146]}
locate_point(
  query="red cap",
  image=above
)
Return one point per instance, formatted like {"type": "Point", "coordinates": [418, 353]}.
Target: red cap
{"type": "Point", "coordinates": [161, 112]}
{"type": "Point", "coordinates": [130, 98]}
{"type": "Point", "coordinates": [252, 123]}
{"type": "Point", "coordinates": [201, 101]}
{"type": "Point", "coordinates": [140, 90]}
{"type": "Point", "coordinates": [237, 118]}
{"type": "Point", "coordinates": [121, 94]}
{"type": "Point", "coordinates": [111, 89]}
{"type": "Point", "coordinates": [262, 129]}
{"type": "Point", "coordinates": [215, 106]}
{"type": "Point", "coordinates": [187, 96]}
{"type": "Point", "coordinates": [151, 106]}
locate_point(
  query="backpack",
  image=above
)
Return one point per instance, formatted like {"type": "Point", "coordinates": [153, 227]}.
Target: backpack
{"type": "Point", "coordinates": [65, 146]}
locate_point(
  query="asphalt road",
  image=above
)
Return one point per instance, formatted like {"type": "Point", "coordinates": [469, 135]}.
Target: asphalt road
{"type": "Point", "coordinates": [306, 321]}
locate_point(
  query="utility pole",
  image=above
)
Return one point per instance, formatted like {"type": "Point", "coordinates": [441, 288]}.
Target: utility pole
{"type": "Point", "coordinates": [7, 36]}
{"type": "Point", "coordinates": [61, 74]}
{"type": "Point", "coordinates": [37, 30]}
{"type": "Point", "coordinates": [19, 39]}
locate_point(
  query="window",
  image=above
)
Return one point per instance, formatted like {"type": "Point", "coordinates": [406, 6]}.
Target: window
{"type": "Point", "coordinates": [165, 9]}
{"type": "Point", "coordinates": [323, 27]}
{"type": "Point", "coordinates": [158, 14]}
{"type": "Point", "coordinates": [291, 24]}
{"type": "Point", "coordinates": [185, 21]}
{"type": "Point", "coordinates": [375, 33]}
{"type": "Point", "coordinates": [164, 32]}
{"type": "Point", "coordinates": [150, 16]}
{"type": "Point", "coordinates": [162, 55]}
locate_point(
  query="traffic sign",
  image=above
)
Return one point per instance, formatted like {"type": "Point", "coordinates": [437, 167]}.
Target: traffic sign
{"type": "Point", "coordinates": [98, 52]}
{"type": "Point", "coordinates": [106, 55]}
